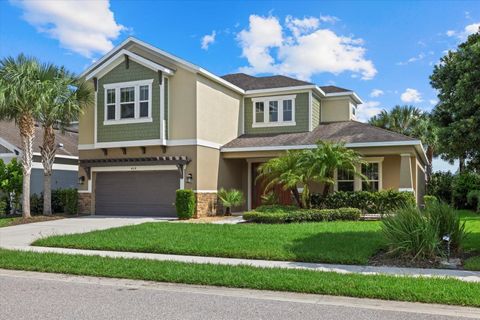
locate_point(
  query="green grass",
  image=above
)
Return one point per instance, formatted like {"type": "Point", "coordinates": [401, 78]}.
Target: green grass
{"type": "Point", "coordinates": [332, 242]}
{"type": "Point", "coordinates": [346, 242]}
{"type": "Point", "coordinates": [472, 242]}
{"type": "Point", "coordinates": [428, 290]}
{"type": "Point", "coordinates": [5, 222]}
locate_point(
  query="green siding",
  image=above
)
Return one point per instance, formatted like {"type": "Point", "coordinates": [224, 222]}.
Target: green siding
{"type": "Point", "coordinates": [301, 117]}
{"type": "Point", "coordinates": [133, 131]}
{"type": "Point", "coordinates": [315, 112]}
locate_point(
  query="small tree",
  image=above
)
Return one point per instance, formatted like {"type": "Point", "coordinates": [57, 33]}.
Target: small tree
{"type": "Point", "coordinates": [320, 163]}
{"type": "Point", "coordinates": [230, 198]}
{"type": "Point", "coordinates": [11, 180]}
{"type": "Point", "coordinates": [285, 171]}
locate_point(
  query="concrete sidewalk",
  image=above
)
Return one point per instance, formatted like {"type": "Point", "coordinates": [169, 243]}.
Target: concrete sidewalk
{"type": "Point", "coordinates": [20, 237]}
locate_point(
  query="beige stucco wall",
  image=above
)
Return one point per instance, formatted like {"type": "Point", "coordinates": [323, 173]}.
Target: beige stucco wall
{"type": "Point", "coordinates": [219, 113]}
{"type": "Point", "coordinates": [335, 109]}
{"type": "Point", "coordinates": [136, 152]}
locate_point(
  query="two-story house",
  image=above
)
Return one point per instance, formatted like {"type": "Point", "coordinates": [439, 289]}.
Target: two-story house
{"type": "Point", "coordinates": [160, 123]}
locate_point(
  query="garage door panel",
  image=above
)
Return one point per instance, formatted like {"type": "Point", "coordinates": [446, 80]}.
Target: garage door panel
{"type": "Point", "coordinates": [142, 193]}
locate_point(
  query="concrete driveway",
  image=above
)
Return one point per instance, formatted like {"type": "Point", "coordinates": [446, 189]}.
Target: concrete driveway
{"type": "Point", "coordinates": [20, 236]}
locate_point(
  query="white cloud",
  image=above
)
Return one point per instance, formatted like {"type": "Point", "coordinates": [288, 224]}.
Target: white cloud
{"type": "Point", "coordinates": [367, 110]}
{"type": "Point", "coordinates": [301, 26]}
{"type": "Point", "coordinates": [419, 57]}
{"type": "Point", "coordinates": [301, 50]}
{"type": "Point", "coordinates": [411, 96]}
{"type": "Point", "coordinates": [433, 101]}
{"type": "Point", "coordinates": [85, 27]}
{"type": "Point", "coordinates": [208, 39]}
{"type": "Point", "coordinates": [463, 34]}
{"type": "Point", "coordinates": [329, 19]}
{"type": "Point", "coordinates": [376, 93]}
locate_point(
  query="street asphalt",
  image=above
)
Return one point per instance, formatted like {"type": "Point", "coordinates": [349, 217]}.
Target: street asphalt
{"type": "Point", "coordinates": [29, 295]}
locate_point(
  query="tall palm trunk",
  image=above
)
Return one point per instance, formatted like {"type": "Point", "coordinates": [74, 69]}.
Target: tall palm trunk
{"type": "Point", "coordinates": [26, 125]}
{"type": "Point", "coordinates": [48, 151]}
{"type": "Point", "coordinates": [461, 164]}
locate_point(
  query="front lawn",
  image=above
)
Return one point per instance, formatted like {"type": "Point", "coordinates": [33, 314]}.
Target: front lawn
{"type": "Point", "coordinates": [332, 242]}
{"type": "Point", "coordinates": [472, 243]}
{"type": "Point", "coordinates": [428, 290]}
{"type": "Point", "coordinates": [346, 242]}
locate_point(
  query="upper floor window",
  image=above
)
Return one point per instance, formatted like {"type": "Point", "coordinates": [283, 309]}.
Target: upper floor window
{"type": "Point", "coordinates": [273, 111]}
{"type": "Point", "coordinates": [128, 102]}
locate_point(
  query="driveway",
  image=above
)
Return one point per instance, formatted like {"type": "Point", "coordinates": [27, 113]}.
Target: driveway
{"type": "Point", "coordinates": [20, 236]}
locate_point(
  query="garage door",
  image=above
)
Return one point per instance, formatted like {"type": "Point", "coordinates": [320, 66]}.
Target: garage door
{"type": "Point", "coordinates": [140, 193]}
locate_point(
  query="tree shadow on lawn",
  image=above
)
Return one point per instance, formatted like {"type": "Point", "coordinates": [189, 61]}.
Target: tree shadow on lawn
{"type": "Point", "coordinates": [337, 247]}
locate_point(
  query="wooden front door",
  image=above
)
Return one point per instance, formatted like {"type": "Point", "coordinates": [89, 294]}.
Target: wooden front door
{"type": "Point", "coordinates": [258, 189]}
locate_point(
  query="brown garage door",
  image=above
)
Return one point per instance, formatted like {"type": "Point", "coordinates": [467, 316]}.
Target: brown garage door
{"type": "Point", "coordinates": [140, 193]}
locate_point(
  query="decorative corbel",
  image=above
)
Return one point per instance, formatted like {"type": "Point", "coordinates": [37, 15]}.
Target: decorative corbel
{"type": "Point", "coordinates": [124, 150]}
{"type": "Point", "coordinates": [160, 77]}
{"type": "Point", "coordinates": [127, 61]}
{"type": "Point", "coordinates": [105, 151]}
{"type": "Point", "coordinates": [180, 170]}
{"type": "Point", "coordinates": [95, 84]}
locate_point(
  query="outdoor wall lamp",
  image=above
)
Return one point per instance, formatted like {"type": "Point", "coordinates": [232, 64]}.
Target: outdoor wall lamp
{"type": "Point", "coordinates": [189, 178]}
{"type": "Point", "coordinates": [81, 179]}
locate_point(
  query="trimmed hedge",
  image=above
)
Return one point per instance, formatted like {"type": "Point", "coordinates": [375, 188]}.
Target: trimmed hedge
{"type": "Point", "coordinates": [185, 203]}
{"type": "Point", "coordinates": [381, 202]}
{"type": "Point", "coordinates": [279, 214]}
{"type": "Point", "coordinates": [63, 201]}
{"type": "Point", "coordinates": [429, 200]}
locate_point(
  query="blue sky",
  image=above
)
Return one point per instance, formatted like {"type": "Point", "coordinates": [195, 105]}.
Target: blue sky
{"type": "Point", "coordinates": [385, 51]}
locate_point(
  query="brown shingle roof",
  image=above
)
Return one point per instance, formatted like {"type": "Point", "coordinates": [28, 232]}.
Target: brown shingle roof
{"type": "Point", "coordinates": [10, 133]}
{"type": "Point", "coordinates": [247, 82]}
{"type": "Point", "coordinates": [347, 131]}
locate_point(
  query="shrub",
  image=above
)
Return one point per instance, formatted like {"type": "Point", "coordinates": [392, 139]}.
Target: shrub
{"type": "Point", "coordinates": [230, 198]}
{"type": "Point", "coordinates": [429, 200]}
{"type": "Point", "coordinates": [185, 203]}
{"type": "Point", "coordinates": [411, 235]}
{"type": "Point", "coordinates": [63, 201]}
{"type": "Point", "coordinates": [447, 223]}
{"type": "Point", "coordinates": [462, 184]}
{"type": "Point", "coordinates": [3, 207]}
{"type": "Point", "coordinates": [473, 199]}
{"type": "Point", "coordinates": [278, 214]}
{"type": "Point", "coordinates": [381, 202]}
{"type": "Point", "coordinates": [440, 186]}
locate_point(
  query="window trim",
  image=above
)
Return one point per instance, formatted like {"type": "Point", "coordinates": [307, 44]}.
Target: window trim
{"type": "Point", "coordinates": [117, 86]}
{"type": "Point", "coordinates": [266, 111]}
{"type": "Point", "coordinates": [337, 181]}
{"type": "Point", "coordinates": [357, 185]}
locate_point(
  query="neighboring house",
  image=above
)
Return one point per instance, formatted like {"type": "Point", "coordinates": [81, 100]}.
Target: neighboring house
{"type": "Point", "coordinates": [160, 123]}
{"type": "Point", "coordinates": [65, 167]}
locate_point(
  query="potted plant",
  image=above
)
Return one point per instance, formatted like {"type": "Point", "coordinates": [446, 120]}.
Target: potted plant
{"type": "Point", "coordinates": [230, 198]}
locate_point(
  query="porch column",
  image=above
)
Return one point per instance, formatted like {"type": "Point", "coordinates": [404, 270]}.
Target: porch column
{"type": "Point", "coordinates": [406, 178]}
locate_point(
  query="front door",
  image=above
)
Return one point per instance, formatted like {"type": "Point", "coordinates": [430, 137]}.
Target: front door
{"type": "Point", "coordinates": [258, 190]}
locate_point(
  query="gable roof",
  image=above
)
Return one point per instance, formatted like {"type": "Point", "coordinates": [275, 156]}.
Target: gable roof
{"type": "Point", "coordinates": [10, 134]}
{"type": "Point", "coordinates": [334, 89]}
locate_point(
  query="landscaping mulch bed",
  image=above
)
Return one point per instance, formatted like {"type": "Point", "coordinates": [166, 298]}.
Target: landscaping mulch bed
{"type": "Point", "coordinates": [17, 220]}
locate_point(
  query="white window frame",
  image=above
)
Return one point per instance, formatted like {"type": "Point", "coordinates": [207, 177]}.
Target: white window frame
{"type": "Point", "coordinates": [357, 185]}
{"type": "Point", "coordinates": [117, 86]}
{"type": "Point", "coordinates": [266, 111]}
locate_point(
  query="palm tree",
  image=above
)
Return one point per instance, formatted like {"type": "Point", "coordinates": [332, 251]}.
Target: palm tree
{"type": "Point", "coordinates": [412, 122]}
{"type": "Point", "coordinates": [327, 157]}
{"type": "Point", "coordinates": [230, 198]}
{"type": "Point", "coordinates": [20, 96]}
{"type": "Point", "coordinates": [284, 171]}
{"type": "Point", "coordinates": [64, 98]}
{"type": "Point", "coordinates": [401, 119]}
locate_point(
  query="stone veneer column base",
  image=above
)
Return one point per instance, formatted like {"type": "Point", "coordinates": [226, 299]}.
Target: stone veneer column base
{"type": "Point", "coordinates": [84, 203]}
{"type": "Point", "coordinates": [206, 204]}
